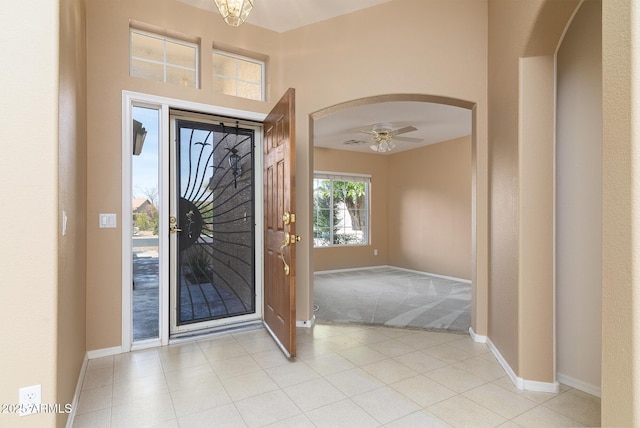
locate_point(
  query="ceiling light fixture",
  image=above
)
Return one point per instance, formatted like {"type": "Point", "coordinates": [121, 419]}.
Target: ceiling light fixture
{"type": "Point", "coordinates": [234, 12]}
{"type": "Point", "coordinates": [383, 142]}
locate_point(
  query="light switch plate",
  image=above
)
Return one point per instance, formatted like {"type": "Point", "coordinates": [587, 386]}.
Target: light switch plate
{"type": "Point", "coordinates": [107, 221]}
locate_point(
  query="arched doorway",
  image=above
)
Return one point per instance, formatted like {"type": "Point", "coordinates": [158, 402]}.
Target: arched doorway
{"type": "Point", "coordinates": [438, 119]}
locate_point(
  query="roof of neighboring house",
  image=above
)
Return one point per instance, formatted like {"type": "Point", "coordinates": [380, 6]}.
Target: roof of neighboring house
{"type": "Point", "coordinates": [138, 203]}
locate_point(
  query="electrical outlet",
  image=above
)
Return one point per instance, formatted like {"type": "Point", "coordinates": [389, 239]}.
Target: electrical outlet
{"type": "Point", "coordinates": [375, 252]}
{"type": "Point", "coordinates": [30, 399]}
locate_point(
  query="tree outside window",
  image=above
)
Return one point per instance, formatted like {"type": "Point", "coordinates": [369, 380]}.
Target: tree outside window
{"type": "Point", "coordinates": [340, 210]}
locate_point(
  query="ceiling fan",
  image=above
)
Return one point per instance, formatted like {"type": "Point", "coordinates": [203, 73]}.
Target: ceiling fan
{"type": "Point", "coordinates": [383, 136]}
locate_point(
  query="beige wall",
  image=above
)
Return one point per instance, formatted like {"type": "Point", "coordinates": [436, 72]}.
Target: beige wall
{"type": "Point", "coordinates": [579, 200]}
{"type": "Point", "coordinates": [523, 37]}
{"type": "Point", "coordinates": [429, 208]}
{"type": "Point", "coordinates": [29, 191]}
{"type": "Point", "coordinates": [108, 75]}
{"type": "Point", "coordinates": [421, 209]}
{"type": "Point", "coordinates": [452, 47]}
{"type": "Point", "coordinates": [347, 58]}
{"type": "Point", "coordinates": [331, 258]}
{"type": "Point", "coordinates": [72, 199]}
{"type": "Point", "coordinates": [620, 214]}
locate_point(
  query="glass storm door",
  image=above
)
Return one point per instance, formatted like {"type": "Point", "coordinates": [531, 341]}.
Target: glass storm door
{"type": "Point", "coordinates": [212, 223]}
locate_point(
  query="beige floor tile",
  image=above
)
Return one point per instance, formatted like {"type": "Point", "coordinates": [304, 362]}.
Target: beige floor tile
{"type": "Point", "coordinates": [343, 413]}
{"type": "Point", "coordinates": [223, 351]}
{"type": "Point", "coordinates": [544, 417]}
{"type": "Point", "coordinates": [205, 396]}
{"type": "Point", "coordinates": [226, 416]}
{"type": "Point", "coordinates": [233, 367]}
{"type": "Point", "coordinates": [305, 351]}
{"type": "Point", "coordinates": [467, 345]}
{"type": "Point", "coordinates": [393, 332]}
{"type": "Point", "coordinates": [420, 361]}
{"type": "Point", "coordinates": [389, 371]}
{"type": "Point", "coordinates": [459, 411]}
{"type": "Point", "coordinates": [100, 363]}
{"type": "Point", "coordinates": [245, 386]}
{"type": "Point", "coordinates": [181, 360]}
{"type": "Point", "coordinates": [488, 370]}
{"type": "Point", "coordinates": [96, 377]}
{"type": "Point", "coordinates": [258, 344]}
{"type": "Point", "coordinates": [313, 394]}
{"type": "Point", "coordinates": [447, 353]}
{"type": "Point", "coordinates": [95, 399]}
{"type": "Point", "coordinates": [423, 390]}
{"type": "Point", "coordinates": [369, 336]}
{"type": "Point", "coordinates": [455, 379]}
{"type": "Point", "coordinates": [139, 389]}
{"type": "Point", "coordinates": [577, 405]}
{"type": "Point", "coordinates": [538, 397]}
{"type": "Point", "coordinates": [353, 382]}
{"type": "Point", "coordinates": [131, 370]}
{"type": "Point", "coordinates": [500, 401]}
{"type": "Point", "coordinates": [141, 413]}
{"type": "Point", "coordinates": [362, 355]}
{"type": "Point", "coordinates": [420, 419]}
{"type": "Point", "coordinates": [266, 409]}
{"type": "Point", "coordinates": [267, 359]}
{"type": "Point", "coordinates": [385, 404]}
{"type": "Point", "coordinates": [178, 348]}
{"type": "Point", "coordinates": [191, 377]}
{"type": "Point", "coordinates": [391, 347]}
{"type": "Point", "coordinates": [338, 343]}
{"type": "Point", "coordinates": [329, 363]}
{"type": "Point", "coordinates": [291, 374]}
{"type": "Point", "coordinates": [134, 357]}
{"type": "Point", "coordinates": [298, 421]}
{"type": "Point", "coordinates": [97, 419]}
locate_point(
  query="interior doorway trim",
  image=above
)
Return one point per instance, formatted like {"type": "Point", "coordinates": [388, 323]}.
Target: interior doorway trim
{"type": "Point", "coordinates": [163, 104]}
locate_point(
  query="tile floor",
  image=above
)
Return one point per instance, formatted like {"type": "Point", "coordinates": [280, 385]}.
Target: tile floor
{"type": "Point", "coordinates": [344, 376]}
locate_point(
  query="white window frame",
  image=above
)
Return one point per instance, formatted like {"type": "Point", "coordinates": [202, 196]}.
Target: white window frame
{"type": "Point", "coordinates": [164, 63]}
{"type": "Point", "coordinates": [235, 78]}
{"type": "Point", "coordinates": [343, 176]}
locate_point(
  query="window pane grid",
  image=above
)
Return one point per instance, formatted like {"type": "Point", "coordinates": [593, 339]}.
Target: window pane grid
{"type": "Point", "coordinates": [341, 210]}
{"type": "Point", "coordinates": [178, 59]}
{"type": "Point", "coordinates": [246, 73]}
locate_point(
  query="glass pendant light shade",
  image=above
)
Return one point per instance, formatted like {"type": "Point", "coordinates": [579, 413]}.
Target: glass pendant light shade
{"type": "Point", "coordinates": [234, 12]}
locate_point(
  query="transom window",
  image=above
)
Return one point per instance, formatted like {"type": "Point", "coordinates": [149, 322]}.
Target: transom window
{"type": "Point", "coordinates": [237, 75]}
{"type": "Point", "coordinates": [340, 209]}
{"type": "Point", "coordinates": [157, 57]}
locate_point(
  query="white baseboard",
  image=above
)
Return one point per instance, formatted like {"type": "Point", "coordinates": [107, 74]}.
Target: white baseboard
{"type": "Point", "coordinates": [477, 337]}
{"type": "Point", "coordinates": [307, 324]}
{"type": "Point", "coordinates": [76, 395]}
{"type": "Point", "coordinates": [452, 278]}
{"type": "Point", "coordinates": [579, 385]}
{"type": "Point", "coordinates": [520, 383]}
{"type": "Point", "coordinates": [105, 352]}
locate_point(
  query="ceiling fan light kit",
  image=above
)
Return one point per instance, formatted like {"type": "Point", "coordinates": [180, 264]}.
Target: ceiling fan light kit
{"type": "Point", "coordinates": [234, 12]}
{"type": "Point", "coordinates": [383, 135]}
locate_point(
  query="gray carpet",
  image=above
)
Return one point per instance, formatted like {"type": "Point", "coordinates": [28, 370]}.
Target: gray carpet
{"type": "Point", "coordinates": [393, 297]}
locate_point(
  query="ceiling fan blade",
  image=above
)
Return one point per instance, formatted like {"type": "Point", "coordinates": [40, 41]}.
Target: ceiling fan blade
{"type": "Point", "coordinates": [409, 139]}
{"type": "Point", "coordinates": [404, 130]}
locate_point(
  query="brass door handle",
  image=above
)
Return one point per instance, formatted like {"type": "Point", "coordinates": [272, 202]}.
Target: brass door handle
{"type": "Point", "coordinates": [287, 269]}
{"type": "Point", "coordinates": [173, 228]}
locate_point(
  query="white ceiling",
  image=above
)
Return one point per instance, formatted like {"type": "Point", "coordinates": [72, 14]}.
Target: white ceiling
{"type": "Point", "coordinates": [285, 15]}
{"type": "Point", "coordinates": [435, 122]}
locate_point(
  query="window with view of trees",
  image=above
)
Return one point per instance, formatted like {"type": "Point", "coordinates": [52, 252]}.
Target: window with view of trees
{"type": "Point", "coordinates": [340, 210]}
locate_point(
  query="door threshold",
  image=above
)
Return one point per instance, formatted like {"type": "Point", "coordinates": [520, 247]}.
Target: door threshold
{"type": "Point", "coordinates": [194, 335]}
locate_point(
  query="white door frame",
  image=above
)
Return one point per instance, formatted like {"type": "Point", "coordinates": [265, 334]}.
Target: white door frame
{"type": "Point", "coordinates": [163, 104]}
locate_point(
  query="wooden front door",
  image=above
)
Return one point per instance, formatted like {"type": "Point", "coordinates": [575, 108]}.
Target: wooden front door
{"type": "Point", "coordinates": [279, 228]}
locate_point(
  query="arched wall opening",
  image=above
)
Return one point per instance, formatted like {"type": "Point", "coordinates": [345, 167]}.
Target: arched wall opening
{"type": "Point", "coordinates": [479, 306]}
